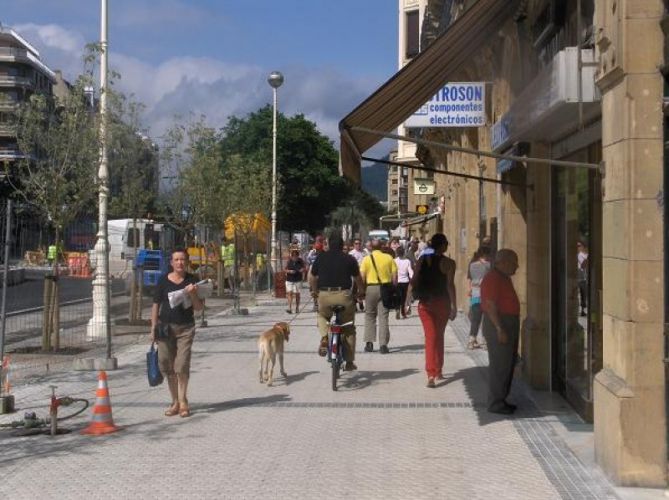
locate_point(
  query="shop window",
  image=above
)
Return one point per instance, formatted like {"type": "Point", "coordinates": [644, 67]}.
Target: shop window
{"type": "Point", "coordinates": [412, 34]}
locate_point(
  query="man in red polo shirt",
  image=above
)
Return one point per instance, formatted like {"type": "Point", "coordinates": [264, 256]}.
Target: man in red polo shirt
{"type": "Point", "coordinates": [501, 327]}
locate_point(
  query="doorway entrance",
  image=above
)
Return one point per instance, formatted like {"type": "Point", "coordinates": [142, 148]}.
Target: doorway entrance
{"type": "Point", "coordinates": [576, 282]}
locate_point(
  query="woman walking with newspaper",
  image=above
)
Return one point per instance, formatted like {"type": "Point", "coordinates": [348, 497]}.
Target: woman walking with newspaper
{"type": "Point", "coordinates": [173, 328]}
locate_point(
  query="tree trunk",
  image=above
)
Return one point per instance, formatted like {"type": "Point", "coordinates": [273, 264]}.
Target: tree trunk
{"type": "Point", "coordinates": [140, 294]}
{"type": "Point", "coordinates": [55, 311]}
{"type": "Point", "coordinates": [135, 275]}
{"type": "Point", "coordinates": [46, 314]}
{"type": "Point", "coordinates": [133, 295]}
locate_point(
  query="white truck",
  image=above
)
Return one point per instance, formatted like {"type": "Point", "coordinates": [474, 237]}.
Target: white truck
{"type": "Point", "coordinates": [126, 238]}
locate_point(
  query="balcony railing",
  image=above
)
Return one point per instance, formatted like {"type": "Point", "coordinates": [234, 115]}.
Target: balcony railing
{"type": "Point", "coordinates": [7, 130]}
{"type": "Point", "coordinates": [10, 154]}
{"type": "Point", "coordinates": [13, 52]}
{"type": "Point", "coordinates": [16, 81]}
{"type": "Point", "coordinates": [8, 105]}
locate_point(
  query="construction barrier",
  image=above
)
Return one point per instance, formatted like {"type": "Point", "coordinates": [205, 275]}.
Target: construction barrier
{"type": "Point", "coordinates": [280, 284]}
{"type": "Point", "coordinates": [78, 266]}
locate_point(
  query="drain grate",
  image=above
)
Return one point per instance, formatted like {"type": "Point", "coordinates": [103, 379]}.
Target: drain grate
{"type": "Point", "coordinates": [413, 405]}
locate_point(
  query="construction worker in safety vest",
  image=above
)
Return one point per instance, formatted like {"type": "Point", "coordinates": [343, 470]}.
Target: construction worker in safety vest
{"type": "Point", "coordinates": [53, 253]}
{"type": "Point", "coordinates": [228, 258]}
{"type": "Point", "coordinates": [260, 260]}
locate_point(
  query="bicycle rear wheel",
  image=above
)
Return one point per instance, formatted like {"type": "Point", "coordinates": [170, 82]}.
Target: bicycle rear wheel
{"type": "Point", "coordinates": [335, 374]}
{"type": "Point", "coordinates": [335, 363]}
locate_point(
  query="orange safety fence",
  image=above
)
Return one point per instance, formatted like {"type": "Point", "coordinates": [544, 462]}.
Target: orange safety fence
{"type": "Point", "coordinates": [78, 266]}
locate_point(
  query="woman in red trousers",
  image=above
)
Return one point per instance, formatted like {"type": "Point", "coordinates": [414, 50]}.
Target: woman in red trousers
{"type": "Point", "coordinates": [433, 285]}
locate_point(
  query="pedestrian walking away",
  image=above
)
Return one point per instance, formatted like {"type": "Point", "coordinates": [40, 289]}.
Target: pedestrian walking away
{"type": "Point", "coordinates": [434, 287]}
{"type": "Point", "coordinates": [478, 268]}
{"type": "Point", "coordinates": [376, 269]}
{"type": "Point", "coordinates": [412, 252]}
{"type": "Point", "coordinates": [501, 327]}
{"type": "Point", "coordinates": [358, 253]}
{"type": "Point", "coordinates": [311, 258]}
{"type": "Point", "coordinates": [404, 275]}
{"type": "Point", "coordinates": [331, 279]}
{"type": "Point", "coordinates": [294, 271]}
{"type": "Point", "coordinates": [173, 328]}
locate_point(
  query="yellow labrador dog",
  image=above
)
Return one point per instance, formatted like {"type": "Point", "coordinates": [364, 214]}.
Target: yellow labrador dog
{"type": "Point", "coordinates": [270, 344]}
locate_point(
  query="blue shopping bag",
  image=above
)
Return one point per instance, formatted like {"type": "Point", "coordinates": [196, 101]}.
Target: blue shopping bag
{"type": "Point", "coordinates": [152, 368]}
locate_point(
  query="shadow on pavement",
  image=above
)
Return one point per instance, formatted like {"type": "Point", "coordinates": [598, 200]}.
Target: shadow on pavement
{"type": "Point", "coordinates": [295, 377]}
{"type": "Point", "coordinates": [362, 379]}
{"type": "Point", "coordinates": [239, 403]}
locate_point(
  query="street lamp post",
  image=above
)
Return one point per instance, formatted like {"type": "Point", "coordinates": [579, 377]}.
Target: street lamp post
{"type": "Point", "coordinates": [99, 326]}
{"type": "Point", "coordinates": [275, 79]}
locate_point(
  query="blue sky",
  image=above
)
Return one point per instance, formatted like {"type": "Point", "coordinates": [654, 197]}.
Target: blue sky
{"type": "Point", "coordinates": [212, 56]}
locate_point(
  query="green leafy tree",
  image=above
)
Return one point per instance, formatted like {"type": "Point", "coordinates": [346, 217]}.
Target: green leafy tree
{"type": "Point", "coordinates": [133, 161]}
{"type": "Point", "coordinates": [57, 174]}
{"type": "Point", "coordinates": [307, 165]}
{"type": "Point", "coordinates": [196, 196]}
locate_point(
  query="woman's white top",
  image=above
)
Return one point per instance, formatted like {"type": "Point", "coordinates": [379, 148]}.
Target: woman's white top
{"type": "Point", "coordinates": [404, 270]}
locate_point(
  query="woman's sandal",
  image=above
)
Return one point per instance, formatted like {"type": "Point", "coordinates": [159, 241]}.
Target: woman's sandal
{"type": "Point", "coordinates": [184, 411]}
{"type": "Point", "coordinates": [172, 410]}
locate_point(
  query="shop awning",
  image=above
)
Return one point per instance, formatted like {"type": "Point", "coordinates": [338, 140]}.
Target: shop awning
{"type": "Point", "coordinates": [421, 219]}
{"type": "Point", "coordinates": [413, 85]}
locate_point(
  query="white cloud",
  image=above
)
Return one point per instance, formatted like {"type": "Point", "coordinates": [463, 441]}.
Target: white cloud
{"type": "Point", "coordinates": [52, 36]}
{"type": "Point", "coordinates": [208, 86]}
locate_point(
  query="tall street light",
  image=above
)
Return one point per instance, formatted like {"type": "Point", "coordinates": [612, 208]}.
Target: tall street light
{"type": "Point", "coordinates": [99, 326]}
{"type": "Point", "coordinates": [275, 79]}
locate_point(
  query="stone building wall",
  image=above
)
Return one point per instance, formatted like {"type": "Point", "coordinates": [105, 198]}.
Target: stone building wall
{"type": "Point", "coordinates": [630, 417]}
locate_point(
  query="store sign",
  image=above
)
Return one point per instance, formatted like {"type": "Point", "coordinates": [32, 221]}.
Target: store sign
{"type": "Point", "coordinates": [455, 105]}
{"type": "Point", "coordinates": [500, 133]}
{"type": "Point", "coordinates": [423, 186]}
{"type": "Point", "coordinates": [421, 209]}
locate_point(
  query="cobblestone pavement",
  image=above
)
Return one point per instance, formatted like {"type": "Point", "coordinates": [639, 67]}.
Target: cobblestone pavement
{"type": "Point", "coordinates": [382, 435]}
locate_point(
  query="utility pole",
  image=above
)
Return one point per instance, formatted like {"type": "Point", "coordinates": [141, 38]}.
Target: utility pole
{"type": "Point", "coordinates": [99, 326]}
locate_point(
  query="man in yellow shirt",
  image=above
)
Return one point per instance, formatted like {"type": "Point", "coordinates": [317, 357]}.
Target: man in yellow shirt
{"type": "Point", "coordinates": [376, 269]}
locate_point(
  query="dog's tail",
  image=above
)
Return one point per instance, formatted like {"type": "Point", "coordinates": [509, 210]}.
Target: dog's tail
{"type": "Point", "coordinates": [261, 350]}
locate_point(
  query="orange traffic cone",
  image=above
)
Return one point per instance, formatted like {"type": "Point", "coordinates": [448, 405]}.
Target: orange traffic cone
{"type": "Point", "coordinates": [102, 413]}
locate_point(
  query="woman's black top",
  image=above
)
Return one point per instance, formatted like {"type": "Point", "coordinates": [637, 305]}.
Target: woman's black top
{"type": "Point", "coordinates": [295, 265]}
{"type": "Point", "coordinates": [179, 315]}
{"type": "Point", "coordinates": [430, 282]}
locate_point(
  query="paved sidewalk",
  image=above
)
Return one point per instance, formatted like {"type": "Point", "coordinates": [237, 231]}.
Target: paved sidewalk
{"type": "Point", "coordinates": [382, 435]}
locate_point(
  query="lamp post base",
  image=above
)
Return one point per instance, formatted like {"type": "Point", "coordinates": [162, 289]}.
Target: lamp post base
{"type": "Point", "coordinates": [95, 364]}
{"type": "Point", "coordinates": [6, 404]}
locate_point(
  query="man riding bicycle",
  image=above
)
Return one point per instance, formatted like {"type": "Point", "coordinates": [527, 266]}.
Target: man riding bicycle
{"type": "Point", "coordinates": [331, 278]}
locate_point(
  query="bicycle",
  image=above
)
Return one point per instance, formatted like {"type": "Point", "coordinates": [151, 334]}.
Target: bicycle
{"type": "Point", "coordinates": [336, 348]}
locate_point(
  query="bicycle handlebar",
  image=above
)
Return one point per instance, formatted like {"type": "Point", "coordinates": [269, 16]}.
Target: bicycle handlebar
{"type": "Point", "coordinates": [349, 323]}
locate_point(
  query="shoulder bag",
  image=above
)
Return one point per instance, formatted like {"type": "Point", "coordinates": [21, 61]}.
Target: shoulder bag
{"type": "Point", "coordinates": [390, 294]}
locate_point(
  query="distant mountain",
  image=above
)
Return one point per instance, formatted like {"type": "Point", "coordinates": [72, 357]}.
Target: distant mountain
{"type": "Point", "coordinates": [375, 180]}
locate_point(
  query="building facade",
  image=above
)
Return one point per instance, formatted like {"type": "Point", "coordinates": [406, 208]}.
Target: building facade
{"type": "Point", "coordinates": [22, 73]}
{"type": "Point", "coordinates": [574, 87]}
{"type": "Point", "coordinates": [568, 169]}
